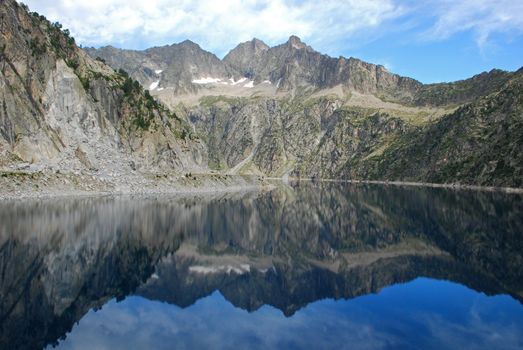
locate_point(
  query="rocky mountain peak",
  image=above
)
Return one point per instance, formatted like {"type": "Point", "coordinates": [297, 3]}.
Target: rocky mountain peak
{"type": "Point", "coordinates": [246, 56]}
{"type": "Point", "coordinates": [189, 44]}
{"type": "Point", "coordinates": [295, 42]}
{"type": "Point", "coordinates": [258, 45]}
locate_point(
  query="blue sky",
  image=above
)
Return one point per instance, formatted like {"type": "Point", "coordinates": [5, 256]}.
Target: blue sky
{"type": "Point", "coordinates": [430, 40]}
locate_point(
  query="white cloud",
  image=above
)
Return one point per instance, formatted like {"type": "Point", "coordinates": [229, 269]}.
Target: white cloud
{"type": "Point", "coordinates": [329, 26]}
{"type": "Point", "coordinates": [216, 25]}
{"type": "Point", "coordinates": [483, 17]}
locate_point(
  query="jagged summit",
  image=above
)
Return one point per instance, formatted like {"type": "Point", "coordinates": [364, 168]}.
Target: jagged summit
{"type": "Point", "coordinates": [187, 68]}
{"type": "Point", "coordinates": [287, 66]}
{"type": "Point", "coordinates": [295, 42]}
{"type": "Point", "coordinates": [244, 58]}
{"type": "Point", "coordinates": [255, 44]}
{"type": "Point", "coordinates": [259, 42]}
{"type": "Point", "coordinates": [173, 66]}
{"type": "Point", "coordinates": [188, 44]}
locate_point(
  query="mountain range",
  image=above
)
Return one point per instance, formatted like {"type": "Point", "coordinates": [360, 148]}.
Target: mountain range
{"type": "Point", "coordinates": [283, 111]}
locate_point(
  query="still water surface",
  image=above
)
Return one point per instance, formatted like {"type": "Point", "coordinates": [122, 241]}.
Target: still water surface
{"type": "Point", "coordinates": [305, 266]}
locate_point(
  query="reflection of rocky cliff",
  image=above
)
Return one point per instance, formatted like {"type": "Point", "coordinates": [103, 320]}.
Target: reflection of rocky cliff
{"type": "Point", "coordinates": [59, 260]}
{"type": "Point", "coordinates": [289, 248]}
{"type": "Point", "coordinates": [286, 248]}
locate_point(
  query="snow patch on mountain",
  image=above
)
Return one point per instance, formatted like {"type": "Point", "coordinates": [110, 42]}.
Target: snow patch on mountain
{"type": "Point", "coordinates": [154, 85]}
{"type": "Point", "coordinates": [208, 80]}
{"type": "Point", "coordinates": [238, 82]}
{"type": "Point", "coordinates": [243, 82]}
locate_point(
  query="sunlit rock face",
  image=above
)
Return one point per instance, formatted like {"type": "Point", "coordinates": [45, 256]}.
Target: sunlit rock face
{"type": "Point", "coordinates": [287, 248]}
{"type": "Point", "coordinates": [63, 110]}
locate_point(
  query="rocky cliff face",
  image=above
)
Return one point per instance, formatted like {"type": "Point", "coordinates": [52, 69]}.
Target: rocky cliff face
{"type": "Point", "coordinates": [65, 111]}
{"type": "Point", "coordinates": [261, 136]}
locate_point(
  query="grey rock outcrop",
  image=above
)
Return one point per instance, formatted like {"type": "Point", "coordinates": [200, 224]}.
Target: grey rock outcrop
{"type": "Point", "coordinates": [311, 138]}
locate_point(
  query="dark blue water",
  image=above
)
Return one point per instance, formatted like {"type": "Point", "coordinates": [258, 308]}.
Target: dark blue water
{"type": "Point", "coordinates": [306, 266]}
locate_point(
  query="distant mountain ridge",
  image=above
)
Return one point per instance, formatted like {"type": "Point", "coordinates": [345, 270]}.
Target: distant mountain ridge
{"type": "Point", "coordinates": [288, 66]}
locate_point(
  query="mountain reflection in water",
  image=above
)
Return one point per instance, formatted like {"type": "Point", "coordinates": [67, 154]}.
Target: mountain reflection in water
{"type": "Point", "coordinates": [285, 249]}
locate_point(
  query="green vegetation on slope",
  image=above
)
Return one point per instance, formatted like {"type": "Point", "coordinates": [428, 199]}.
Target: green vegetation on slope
{"type": "Point", "coordinates": [480, 143]}
{"type": "Point", "coordinates": [462, 91]}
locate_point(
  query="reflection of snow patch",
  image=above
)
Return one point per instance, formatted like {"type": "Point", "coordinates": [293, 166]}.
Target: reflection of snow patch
{"type": "Point", "coordinates": [250, 84]}
{"type": "Point", "coordinates": [154, 85]}
{"type": "Point", "coordinates": [159, 71]}
{"type": "Point", "coordinates": [208, 80]}
{"type": "Point", "coordinates": [244, 268]}
{"type": "Point", "coordinates": [155, 276]}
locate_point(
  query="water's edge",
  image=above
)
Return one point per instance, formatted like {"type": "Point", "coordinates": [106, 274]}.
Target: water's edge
{"type": "Point", "coordinates": [21, 185]}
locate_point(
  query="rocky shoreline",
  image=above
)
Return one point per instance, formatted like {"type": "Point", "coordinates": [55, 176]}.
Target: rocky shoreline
{"type": "Point", "coordinates": [456, 186]}
{"type": "Point", "coordinates": [20, 185]}
{"type": "Point", "coordinates": [26, 184]}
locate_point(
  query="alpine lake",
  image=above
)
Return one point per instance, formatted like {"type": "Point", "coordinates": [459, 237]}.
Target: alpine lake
{"type": "Point", "coordinates": [306, 265]}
